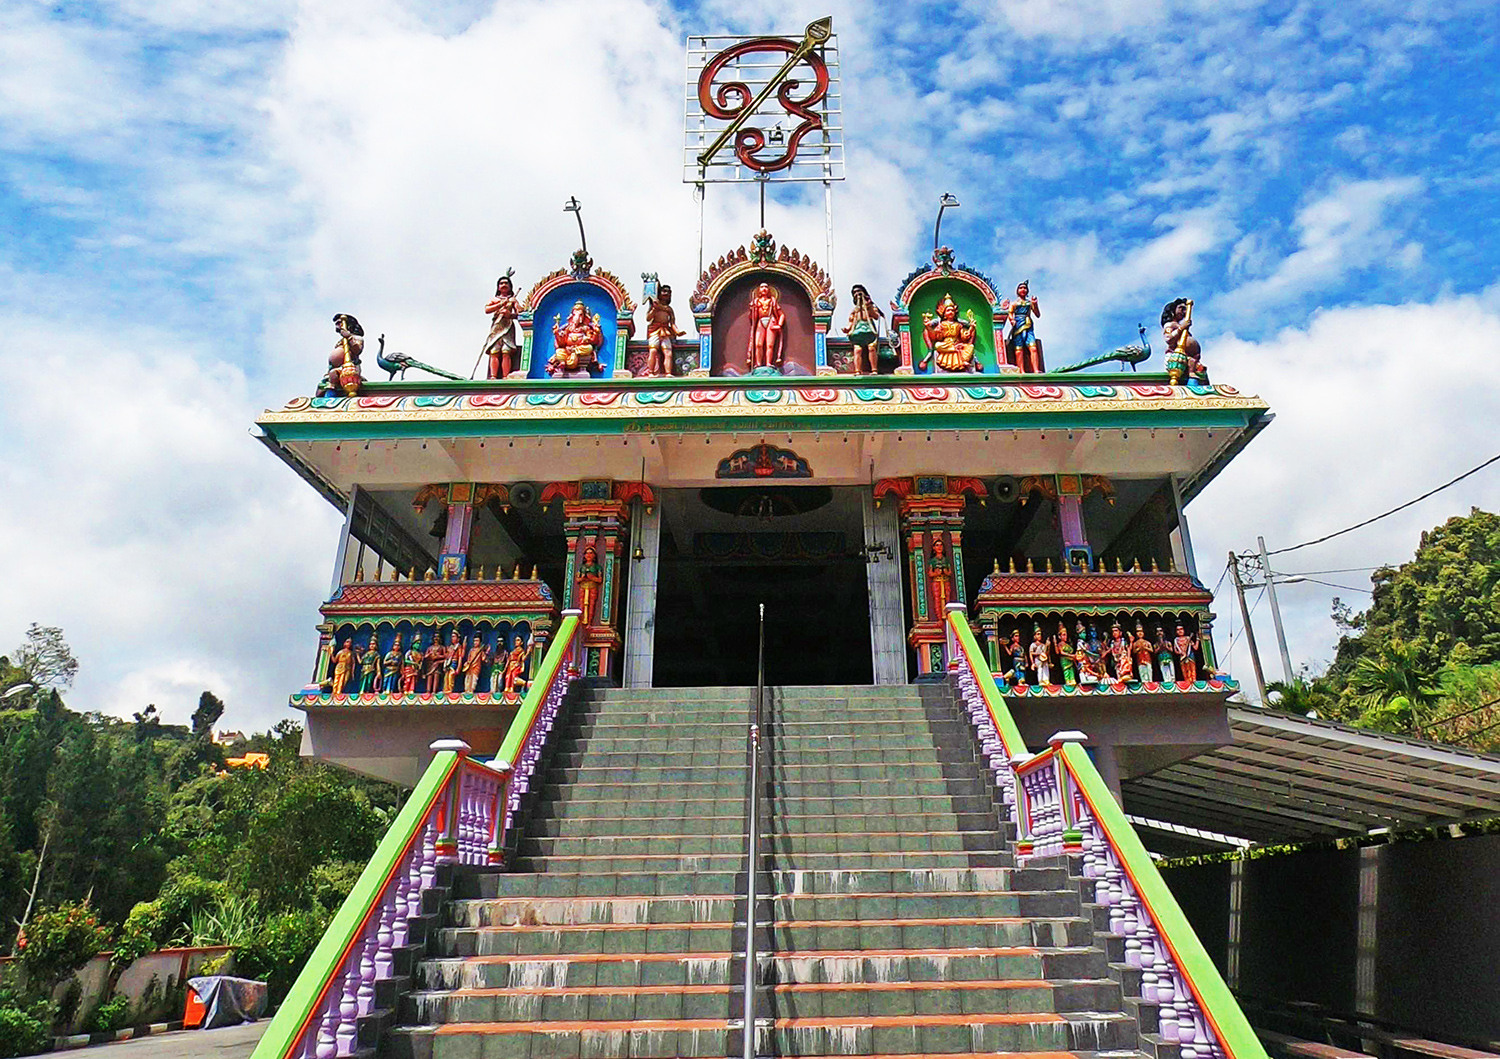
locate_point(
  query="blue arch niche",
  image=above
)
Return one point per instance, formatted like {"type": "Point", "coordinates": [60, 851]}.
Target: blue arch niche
{"type": "Point", "coordinates": [559, 302]}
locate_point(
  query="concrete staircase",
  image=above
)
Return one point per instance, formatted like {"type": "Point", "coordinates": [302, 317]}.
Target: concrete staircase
{"type": "Point", "coordinates": [895, 923]}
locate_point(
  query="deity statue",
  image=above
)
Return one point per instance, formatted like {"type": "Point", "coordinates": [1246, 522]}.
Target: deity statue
{"type": "Point", "coordinates": [369, 667]}
{"type": "Point", "coordinates": [590, 581]}
{"type": "Point", "coordinates": [453, 662]}
{"type": "Point", "coordinates": [1017, 674]}
{"type": "Point", "coordinates": [1087, 657]}
{"type": "Point", "coordinates": [343, 666]}
{"type": "Point", "coordinates": [767, 329]}
{"type": "Point", "coordinates": [661, 332]}
{"type": "Point", "coordinates": [1066, 660]}
{"type": "Point", "coordinates": [390, 671]}
{"type": "Point", "coordinates": [1163, 649]}
{"type": "Point", "coordinates": [1140, 647]}
{"type": "Point", "coordinates": [474, 663]}
{"type": "Point", "coordinates": [515, 666]}
{"type": "Point", "coordinates": [344, 376]}
{"type": "Point", "coordinates": [863, 329]}
{"type": "Point", "coordinates": [501, 347]}
{"type": "Point", "coordinates": [411, 666]}
{"type": "Point", "coordinates": [1184, 363]}
{"type": "Point", "coordinates": [1184, 647]}
{"type": "Point", "coordinates": [432, 665]}
{"type": "Point", "coordinates": [1119, 651]}
{"type": "Point", "coordinates": [578, 341]}
{"type": "Point", "coordinates": [1041, 657]}
{"type": "Point", "coordinates": [950, 339]}
{"type": "Point", "coordinates": [940, 579]}
{"type": "Point", "coordinates": [1022, 347]}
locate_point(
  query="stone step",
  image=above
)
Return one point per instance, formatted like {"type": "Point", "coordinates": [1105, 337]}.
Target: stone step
{"type": "Point", "coordinates": [728, 935]}
{"type": "Point", "coordinates": [726, 862]}
{"type": "Point", "coordinates": [664, 755]}
{"type": "Point", "coordinates": [611, 1003]}
{"type": "Point", "coordinates": [1051, 882]}
{"type": "Point", "coordinates": [802, 824]}
{"type": "Point", "coordinates": [561, 786]}
{"type": "Point", "coordinates": [665, 843]}
{"type": "Point", "coordinates": [653, 723]}
{"type": "Point", "coordinates": [1041, 1034]}
{"type": "Point", "coordinates": [872, 769]}
{"type": "Point", "coordinates": [555, 805]}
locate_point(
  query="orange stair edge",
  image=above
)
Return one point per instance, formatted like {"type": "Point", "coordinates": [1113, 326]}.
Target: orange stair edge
{"type": "Point", "coordinates": [827, 1022]}
{"type": "Point", "coordinates": [720, 924]}
{"type": "Point", "coordinates": [795, 954]}
{"type": "Point", "coordinates": [784, 987]}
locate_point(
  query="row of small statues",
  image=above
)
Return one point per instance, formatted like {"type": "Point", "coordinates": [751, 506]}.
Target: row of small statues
{"type": "Point", "coordinates": [470, 573]}
{"type": "Point", "coordinates": [951, 341]}
{"type": "Point", "coordinates": [441, 667]}
{"type": "Point", "coordinates": [1086, 660]}
{"type": "Point", "coordinates": [1081, 567]}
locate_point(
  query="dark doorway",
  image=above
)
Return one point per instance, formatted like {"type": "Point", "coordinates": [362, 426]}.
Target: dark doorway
{"type": "Point", "coordinates": [798, 550]}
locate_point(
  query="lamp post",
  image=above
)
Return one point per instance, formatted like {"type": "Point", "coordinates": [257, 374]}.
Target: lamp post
{"type": "Point", "coordinates": [946, 202]}
{"type": "Point", "coordinates": [575, 207]}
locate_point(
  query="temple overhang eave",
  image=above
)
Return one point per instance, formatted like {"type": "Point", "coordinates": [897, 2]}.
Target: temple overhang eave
{"type": "Point", "coordinates": [402, 433]}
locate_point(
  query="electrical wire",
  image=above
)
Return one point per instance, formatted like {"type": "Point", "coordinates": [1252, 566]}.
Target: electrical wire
{"type": "Point", "coordinates": [1455, 716]}
{"type": "Point", "coordinates": [1330, 584]}
{"type": "Point", "coordinates": [1346, 570]}
{"type": "Point", "coordinates": [1360, 525]}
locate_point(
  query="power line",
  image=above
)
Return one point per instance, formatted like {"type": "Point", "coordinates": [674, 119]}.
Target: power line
{"type": "Point", "coordinates": [1330, 584]}
{"type": "Point", "coordinates": [1345, 570]}
{"type": "Point", "coordinates": [1384, 514]}
{"type": "Point", "coordinates": [1455, 716]}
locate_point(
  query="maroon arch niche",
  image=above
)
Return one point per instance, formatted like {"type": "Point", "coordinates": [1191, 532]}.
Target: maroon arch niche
{"type": "Point", "coordinates": [731, 325]}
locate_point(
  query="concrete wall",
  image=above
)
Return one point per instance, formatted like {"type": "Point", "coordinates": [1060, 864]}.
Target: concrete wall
{"type": "Point", "coordinates": [169, 967]}
{"type": "Point", "coordinates": [1408, 932]}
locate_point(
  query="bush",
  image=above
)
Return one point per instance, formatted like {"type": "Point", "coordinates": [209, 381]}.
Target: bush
{"type": "Point", "coordinates": [25, 1031]}
{"type": "Point", "coordinates": [113, 1014]}
{"type": "Point", "coordinates": [279, 949]}
{"type": "Point", "coordinates": [58, 941]}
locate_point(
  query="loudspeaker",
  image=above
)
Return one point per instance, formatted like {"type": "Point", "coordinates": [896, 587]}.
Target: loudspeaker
{"type": "Point", "coordinates": [1006, 489]}
{"type": "Point", "coordinates": [523, 495]}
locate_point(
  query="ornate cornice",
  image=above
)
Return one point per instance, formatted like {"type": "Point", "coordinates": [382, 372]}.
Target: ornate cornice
{"type": "Point", "coordinates": [763, 256]}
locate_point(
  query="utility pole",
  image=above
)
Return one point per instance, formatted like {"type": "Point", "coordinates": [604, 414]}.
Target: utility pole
{"type": "Point", "coordinates": [1239, 590]}
{"type": "Point", "coordinates": [1265, 566]}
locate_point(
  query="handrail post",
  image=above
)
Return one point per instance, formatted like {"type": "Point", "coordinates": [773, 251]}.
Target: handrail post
{"type": "Point", "coordinates": [752, 838]}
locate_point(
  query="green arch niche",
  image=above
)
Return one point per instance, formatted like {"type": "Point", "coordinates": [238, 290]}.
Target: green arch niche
{"type": "Point", "coordinates": [968, 296]}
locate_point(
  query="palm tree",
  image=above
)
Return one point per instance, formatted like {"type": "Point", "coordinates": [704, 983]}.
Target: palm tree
{"type": "Point", "coordinates": [1393, 687]}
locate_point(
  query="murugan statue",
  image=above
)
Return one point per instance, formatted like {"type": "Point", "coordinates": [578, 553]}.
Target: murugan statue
{"type": "Point", "coordinates": [344, 376]}
{"type": "Point", "coordinates": [501, 347]}
{"type": "Point", "coordinates": [1022, 347]}
{"type": "Point", "coordinates": [767, 329]}
{"type": "Point", "coordinates": [661, 332]}
{"type": "Point", "coordinates": [950, 339]}
{"type": "Point", "coordinates": [1183, 647]}
{"type": "Point", "coordinates": [1163, 649]}
{"type": "Point", "coordinates": [863, 329]}
{"type": "Point", "coordinates": [1184, 363]}
{"type": "Point", "coordinates": [578, 341]}
{"type": "Point", "coordinates": [590, 580]}
{"type": "Point", "coordinates": [343, 666]}
{"type": "Point", "coordinates": [940, 579]}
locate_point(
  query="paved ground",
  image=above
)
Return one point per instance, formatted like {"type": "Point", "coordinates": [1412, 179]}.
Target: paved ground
{"type": "Point", "coordinates": [231, 1042]}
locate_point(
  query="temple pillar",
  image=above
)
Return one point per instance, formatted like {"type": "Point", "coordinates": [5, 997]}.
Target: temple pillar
{"type": "Point", "coordinates": [455, 555]}
{"type": "Point", "coordinates": [640, 605]}
{"type": "Point", "coordinates": [883, 576]}
{"type": "Point", "coordinates": [932, 518]}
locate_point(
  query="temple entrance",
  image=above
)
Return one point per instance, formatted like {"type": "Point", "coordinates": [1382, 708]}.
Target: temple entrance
{"type": "Point", "coordinates": [796, 548]}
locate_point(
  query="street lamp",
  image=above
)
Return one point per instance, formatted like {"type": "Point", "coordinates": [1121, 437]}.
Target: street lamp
{"type": "Point", "coordinates": [946, 202]}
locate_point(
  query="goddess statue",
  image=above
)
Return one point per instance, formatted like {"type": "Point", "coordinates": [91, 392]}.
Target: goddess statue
{"type": "Point", "coordinates": [1184, 363]}
{"type": "Point", "coordinates": [501, 347]}
{"type": "Point", "coordinates": [343, 666]}
{"type": "Point", "coordinates": [1022, 347]}
{"type": "Point", "coordinates": [1119, 650]}
{"type": "Point", "coordinates": [390, 674]}
{"type": "Point", "coordinates": [411, 665]}
{"type": "Point", "coordinates": [950, 339]}
{"type": "Point", "coordinates": [661, 332]}
{"type": "Point", "coordinates": [578, 341]}
{"type": "Point", "coordinates": [590, 579]}
{"type": "Point", "coordinates": [1017, 672]}
{"type": "Point", "coordinates": [767, 329]}
{"type": "Point", "coordinates": [369, 667]}
{"type": "Point", "coordinates": [1066, 660]}
{"type": "Point", "coordinates": [863, 329]}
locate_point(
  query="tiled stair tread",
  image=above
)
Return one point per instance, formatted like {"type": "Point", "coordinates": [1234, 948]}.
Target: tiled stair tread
{"type": "Point", "coordinates": [1003, 1018]}
{"type": "Point", "coordinates": [782, 954]}
{"type": "Point", "coordinates": [780, 987]}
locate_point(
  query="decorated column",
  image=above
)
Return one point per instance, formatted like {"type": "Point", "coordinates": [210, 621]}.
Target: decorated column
{"type": "Point", "coordinates": [1071, 489]}
{"type": "Point", "coordinates": [597, 521]}
{"type": "Point", "coordinates": [932, 518]}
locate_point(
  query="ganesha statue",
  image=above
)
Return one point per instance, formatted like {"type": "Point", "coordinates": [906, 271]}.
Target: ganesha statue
{"type": "Point", "coordinates": [578, 342]}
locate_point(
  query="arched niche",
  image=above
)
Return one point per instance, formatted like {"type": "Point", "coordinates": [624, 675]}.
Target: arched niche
{"type": "Point", "coordinates": [558, 303]}
{"type": "Point", "coordinates": [731, 325]}
{"type": "Point", "coordinates": [969, 298]}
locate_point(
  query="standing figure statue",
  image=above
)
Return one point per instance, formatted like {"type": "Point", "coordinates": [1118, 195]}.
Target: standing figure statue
{"type": "Point", "coordinates": [453, 662]}
{"type": "Point", "coordinates": [767, 330]}
{"type": "Point", "coordinates": [343, 666]}
{"type": "Point", "coordinates": [948, 338]}
{"type": "Point", "coordinates": [940, 579]}
{"type": "Point", "coordinates": [501, 347]}
{"type": "Point", "coordinates": [661, 332]}
{"type": "Point", "coordinates": [1184, 647]}
{"type": "Point", "coordinates": [1041, 656]}
{"type": "Point", "coordinates": [1140, 647]}
{"type": "Point", "coordinates": [1184, 354]}
{"type": "Point", "coordinates": [1022, 347]}
{"type": "Point", "coordinates": [590, 581]}
{"type": "Point", "coordinates": [369, 667]}
{"type": "Point", "coordinates": [1119, 651]}
{"type": "Point", "coordinates": [474, 663]}
{"type": "Point", "coordinates": [514, 679]}
{"type": "Point", "coordinates": [863, 329]}
{"type": "Point", "coordinates": [1017, 674]}
{"type": "Point", "coordinates": [344, 376]}
{"type": "Point", "coordinates": [1066, 659]}
{"type": "Point", "coordinates": [1163, 649]}
{"type": "Point", "coordinates": [390, 672]}
{"type": "Point", "coordinates": [578, 342]}
{"type": "Point", "coordinates": [411, 665]}
{"type": "Point", "coordinates": [432, 665]}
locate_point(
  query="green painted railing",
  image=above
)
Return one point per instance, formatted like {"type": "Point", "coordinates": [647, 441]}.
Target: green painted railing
{"type": "Point", "coordinates": [458, 812]}
{"type": "Point", "coordinates": [1062, 805]}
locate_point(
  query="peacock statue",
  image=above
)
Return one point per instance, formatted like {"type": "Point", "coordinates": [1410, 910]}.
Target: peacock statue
{"type": "Point", "coordinates": [399, 362]}
{"type": "Point", "coordinates": [1134, 354]}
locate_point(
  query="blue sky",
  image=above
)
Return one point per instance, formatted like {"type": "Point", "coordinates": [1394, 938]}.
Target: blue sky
{"type": "Point", "coordinates": [190, 188]}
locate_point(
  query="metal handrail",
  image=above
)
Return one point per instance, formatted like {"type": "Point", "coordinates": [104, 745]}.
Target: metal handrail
{"type": "Point", "coordinates": [752, 837]}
